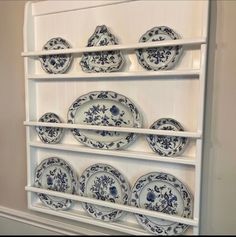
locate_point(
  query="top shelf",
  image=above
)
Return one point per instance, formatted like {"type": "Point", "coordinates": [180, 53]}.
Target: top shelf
{"type": "Point", "coordinates": [194, 41]}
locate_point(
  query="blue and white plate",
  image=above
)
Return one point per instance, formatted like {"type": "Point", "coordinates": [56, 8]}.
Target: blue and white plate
{"type": "Point", "coordinates": [57, 175]}
{"type": "Point", "coordinates": [55, 64]}
{"type": "Point", "coordinates": [159, 58]}
{"type": "Point", "coordinates": [50, 135]}
{"type": "Point", "coordinates": [104, 182]}
{"type": "Point", "coordinates": [167, 145]}
{"type": "Point", "coordinates": [104, 108]}
{"type": "Point", "coordinates": [106, 61]}
{"type": "Point", "coordinates": [164, 193]}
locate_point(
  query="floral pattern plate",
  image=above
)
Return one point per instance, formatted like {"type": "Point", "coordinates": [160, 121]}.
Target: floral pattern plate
{"type": "Point", "coordinates": [103, 182]}
{"type": "Point", "coordinates": [159, 58]}
{"type": "Point", "coordinates": [167, 145]}
{"type": "Point", "coordinates": [55, 64]}
{"type": "Point", "coordinates": [164, 193]}
{"type": "Point", "coordinates": [50, 135]}
{"type": "Point", "coordinates": [106, 61]}
{"type": "Point", "coordinates": [104, 108]}
{"type": "Point", "coordinates": [57, 175]}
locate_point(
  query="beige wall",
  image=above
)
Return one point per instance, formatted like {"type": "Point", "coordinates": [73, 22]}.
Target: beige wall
{"type": "Point", "coordinates": [12, 138]}
{"type": "Point", "coordinates": [218, 214]}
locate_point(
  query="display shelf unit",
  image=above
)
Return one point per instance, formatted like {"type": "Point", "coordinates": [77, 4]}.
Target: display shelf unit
{"type": "Point", "coordinates": [176, 93]}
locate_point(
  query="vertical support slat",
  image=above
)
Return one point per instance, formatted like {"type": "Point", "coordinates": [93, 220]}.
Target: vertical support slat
{"type": "Point", "coordinates": [28, 35]}
{"type": "Point", "coordinates": [199, 142]}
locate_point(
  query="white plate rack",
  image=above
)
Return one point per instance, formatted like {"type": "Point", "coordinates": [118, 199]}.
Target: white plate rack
{"type": "Point", "coordinates": [179, 90]}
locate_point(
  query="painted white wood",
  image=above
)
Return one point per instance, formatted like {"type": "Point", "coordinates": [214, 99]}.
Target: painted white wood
{"type": "Point", "coordinates": [118, 129]}
{"type": "Point", "coordinates": [117, 47]}
{"type": "Point", "coordinates": [124, 227]}
{"type": "Point", "coordinates": [125, 75]}
{"type": "Point", "coordinates": [114, 206]}
{"type": "Point", "coordinates": [185, 160]}
{"type": "Point", "coordinates": [171, 93]}
{"type": "Point", "coordinates": [44, 8]}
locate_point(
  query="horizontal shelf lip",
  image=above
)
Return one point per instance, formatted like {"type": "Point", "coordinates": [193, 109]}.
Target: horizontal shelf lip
{"type": "Point", "coordinates": [185, 160]}
{"type": "Point", "coordinates": [127, 208]}
{"type": "Point", "coordinates": [113, 75]}
{"type": "Point", "coordinates": [118, 129]}
{"type": "Point", "coordinates": [190, 41]}
{"type": "Point", "coordinates": [71, 214]}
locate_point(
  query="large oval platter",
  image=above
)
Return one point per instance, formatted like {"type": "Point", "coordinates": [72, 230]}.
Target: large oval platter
{"type": "Point", "coordinates": [104, 108]}
{"type": "Point", "coordinates": [104, 182]}
{"type": "Point", "coordinates": [164, 193]}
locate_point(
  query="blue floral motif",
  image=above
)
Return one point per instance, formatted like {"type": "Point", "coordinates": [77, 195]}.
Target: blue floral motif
{"type": "Point", "coordinates": [151, 196]}
{"type": "Point", "coordinates": [114, 110]}
{"type": "Point", "coordinates": [105, 116]}
{"type": "Point", "coordinates": [104, 189]}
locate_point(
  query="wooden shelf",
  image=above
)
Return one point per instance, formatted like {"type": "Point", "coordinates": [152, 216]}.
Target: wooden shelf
{"type": "Point", "coordinates": [126, 208]}
{"type": "Point", "coordinates": [196, 41]}
{"type": "Point", "coordinates": [149, 156]}
{"type": "Point", "coordinates": [116, 129]}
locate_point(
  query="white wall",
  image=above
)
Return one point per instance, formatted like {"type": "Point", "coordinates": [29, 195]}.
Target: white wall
{"type": "Point", "coordinates": [218, 214]}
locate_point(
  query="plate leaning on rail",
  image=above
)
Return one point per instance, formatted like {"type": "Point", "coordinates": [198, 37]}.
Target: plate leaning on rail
{"type": "Point", "coordinates": [104, 182]}
{"type": "Point", "coordinates": [164, 193]}
{"type": "Point", "coordinates": [57, 175]}
{"type": "Point", "coordinates": [104, 108]}
{"type": "Point", "coordinates": [106, 61]}
{"type": "Point", "coordinates": [159, 58]}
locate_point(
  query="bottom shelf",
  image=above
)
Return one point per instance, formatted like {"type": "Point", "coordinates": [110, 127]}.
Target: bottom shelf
{"type": "Point", "coordinates": [121, 226]}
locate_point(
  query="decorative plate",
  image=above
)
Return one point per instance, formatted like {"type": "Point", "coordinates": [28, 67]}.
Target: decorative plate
{"type": "Point", "coordinates": [167, 145]}
{"type": "Point", "coordinates": [49, 134]}
{"type": "Point", "coordinates": [159, 58]}
{"type": "Point", "coordinates": [57, 175]}
{"type": "Point", "coordinates": [55, 64]}
{"type": "Point", "coordinates": [164, 193]}
{"type": "Point", "coordinates": [106, 61]}
{"type": "Point", "coordinates": [103, 182]}
{"type": "Point", "coordinates": [104, 108]}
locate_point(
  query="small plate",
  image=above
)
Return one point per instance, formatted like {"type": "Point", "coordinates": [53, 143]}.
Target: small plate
{"type": "Point", "coordinates": [164, 193]}
{"type": "Point", "coordinates": [57, 175]}
{"type": "Point", "coordinates": [55, 64]}
{"type": "Point", "coordinates": [104, 108]}
{"type": "Point", "coordinates": [103, 182]}
{"type": "Point", "coordinates": [106, 61]}
{"type": "Point", "coordinates": [167, 145]}
{"type": "Point", "coordinates": [49, 134]}
{"type": "Point", "coordinates": [160, 58]}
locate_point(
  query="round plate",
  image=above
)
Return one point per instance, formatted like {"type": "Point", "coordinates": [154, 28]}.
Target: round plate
{"type": "Point", "coordinates": [55, 64]}
{"type": "Point", "coordinates": [164, 193]}
{"type": "Point", "coordinates": [104, 108]}
{"type": "Point", "coordinates": [57, 175]}
{"type": "Point", "coordinates": [49, 134]}
{"type": "Point", "coordinates": [103, 182]}
{"type": "Point", "coordinates": [159, 58]}
{"type": "Point", "coordinates": [167, 145]}
{"type": "Point", "coordinates": [106, 61]}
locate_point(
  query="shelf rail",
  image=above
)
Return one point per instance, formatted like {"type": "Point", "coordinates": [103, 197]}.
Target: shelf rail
{"type": "Point", "coordinates": [132, 209]}
{"type": "Point", "coordinates": [117, 129]}
{"type": "Point", "coordinates": [138, 155]}
{"type": "Point", "coordinates": [195, 41]}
